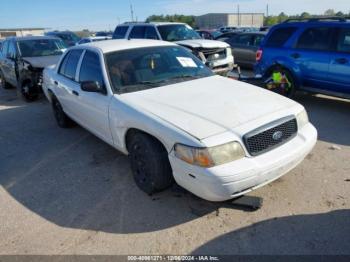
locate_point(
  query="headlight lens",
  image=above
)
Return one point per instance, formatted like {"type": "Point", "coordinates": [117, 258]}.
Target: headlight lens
{"type": "Point", "coordinates": [209, 157]}
{"type": "Point", "coordinates": [302, 119]}
{"type": "Point", "coordinates": [229, 51]}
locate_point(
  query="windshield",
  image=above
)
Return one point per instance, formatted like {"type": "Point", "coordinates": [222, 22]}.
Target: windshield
{"type": "Point", "coordinates": [69, 37]}
{"type": "Point", "coordinates": [41, 47]}
{"type": "Point", "coordinates": [179, 32]}
{"type": "Point", "coordinates": [145, 68]}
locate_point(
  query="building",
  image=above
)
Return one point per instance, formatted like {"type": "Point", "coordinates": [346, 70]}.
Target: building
{"type": "Point", "coordinates": [21, 32]}
{"type": "Point", "coordinates": [217, 20]}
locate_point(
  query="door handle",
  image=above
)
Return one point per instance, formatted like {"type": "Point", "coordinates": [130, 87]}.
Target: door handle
{"type": "Point", "coordinates": [75, 93]}
{"type": "Point", "coordinates": [295, 55]}
{"type": "Point", "coordinates": [56, 83]}
{"type": "Point", "coordinates": [341, 60]}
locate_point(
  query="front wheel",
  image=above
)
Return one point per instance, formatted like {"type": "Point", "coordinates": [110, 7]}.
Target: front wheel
{"type": "Point", "coordinates": [150, 164]}
{"type": "Point", "coordinates": [28, 92]}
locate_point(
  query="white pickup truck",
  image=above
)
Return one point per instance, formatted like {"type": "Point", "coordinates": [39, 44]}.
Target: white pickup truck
{"type": "Point", "coordinates": [159, 104]}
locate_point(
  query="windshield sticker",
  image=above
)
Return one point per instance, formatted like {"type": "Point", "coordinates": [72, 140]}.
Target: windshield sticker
{"type": "Point", "coordinates": [186, 62]}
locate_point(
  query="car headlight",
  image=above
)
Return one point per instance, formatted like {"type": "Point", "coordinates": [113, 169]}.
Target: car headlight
{"type": "Point", "coordinates": [302, 119]}
{"type": "Point", "coordinates": [209, 157]}
{"type": "Point", "coordinates": [229, 51]}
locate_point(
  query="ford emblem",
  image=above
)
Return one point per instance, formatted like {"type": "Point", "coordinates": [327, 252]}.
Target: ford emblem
{"type": "Point", "coordinates": [277, 135]}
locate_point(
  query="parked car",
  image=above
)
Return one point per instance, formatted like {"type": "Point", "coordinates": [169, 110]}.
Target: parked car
{"type": "Point", "coordinates": [208, 34]}
{"type": "Point", "coordinates": [102, 33]}
{"type": "Point", "coordinates": [68, 37]}
{"type": "Point", "coordinates": [23, 59]}
{"type": "Point", "coordinates": [91, 39]}
{"type": "Point", "coordinates": [226, 29]}
{"type": "Point", "coordinates": [225, 36]}
{"type": "Point", "coordinates": [314, 55]}
{"type": "Point", "coordinates": [157, 102]}
{"type": "Point", "coordinates": [244, 47]}
{"type": "Point", "coordinates": [215, 54]}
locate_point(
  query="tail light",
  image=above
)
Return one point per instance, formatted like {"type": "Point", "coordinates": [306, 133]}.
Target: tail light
{"type": "Point", "coordinates": [259, 55]}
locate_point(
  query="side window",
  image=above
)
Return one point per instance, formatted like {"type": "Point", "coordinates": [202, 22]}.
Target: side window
{"type": "Point", "coordinates": [344, 40]}
{"type": "Point", "coordinates": [245, 40]}
{"type": "Point", "coordinates": [120, 32]}
{"type": "Point", "coordinates": [138, 32]}
{"type": "Point", "coordinates": [63, 64]}
{"type": "Point", "coordinates": [280, 36]}
{"type": "Point", "coordinates": [317, 38]}
{"type": "Point", "coordinates": [91, 69]}
{"type": "Point", "coordinates": [151, 33]}
{"type": "Point", "coordinates": [258, 39]}
{"type": "Point", "coordinates": [70, 63]}
{"type": "Point", "coordinates": [12, 50]}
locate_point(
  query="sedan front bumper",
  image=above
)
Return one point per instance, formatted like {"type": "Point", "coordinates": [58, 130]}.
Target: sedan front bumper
{"type": "Point", "coordinates": [242, 176]}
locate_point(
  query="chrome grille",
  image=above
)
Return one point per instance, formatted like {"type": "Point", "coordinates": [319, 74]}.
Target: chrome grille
{"type": "Point", "coordinates": [271, 136]}
{"type": "Point", "coordinates": [212, 54]}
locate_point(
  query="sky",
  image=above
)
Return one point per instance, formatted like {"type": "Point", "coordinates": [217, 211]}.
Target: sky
{"type": "Point", "coordinates": [106, 14]}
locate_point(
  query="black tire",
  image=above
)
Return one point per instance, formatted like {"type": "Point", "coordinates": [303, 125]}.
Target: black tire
{"type": "Point", "coordinates": [3, 83]}
{"type": "Point", "coordinates": [294, 86]}
{"type": "Point", "coordinates": [28, 92]}
{"type": "Point", "coordinates": [149, 163]}
{"type": "Point", "coordinates": [61, 117]}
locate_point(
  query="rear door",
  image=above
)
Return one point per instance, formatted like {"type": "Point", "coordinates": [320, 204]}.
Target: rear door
{"type": "Point", "coordinates": [68, 86]}
{"type": "Point", "coordinates": [312, 53]}
{"type": "Point", "coordinates": [339, 71]}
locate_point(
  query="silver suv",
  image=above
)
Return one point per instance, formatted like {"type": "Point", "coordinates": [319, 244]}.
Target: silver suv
{"type": "Point", "coordinates": [215, 54]}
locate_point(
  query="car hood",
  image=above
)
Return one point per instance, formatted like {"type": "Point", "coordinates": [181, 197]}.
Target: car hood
{"type": "Point", "coordinates": [42, 61]}
{"type": "Point", "coordinates": [208, 106]}
{"type": "Point", "coordinates": [202, 43]}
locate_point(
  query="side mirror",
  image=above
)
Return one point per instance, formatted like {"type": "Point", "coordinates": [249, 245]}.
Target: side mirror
{"type": "Point", "coordinates": [93, 87]}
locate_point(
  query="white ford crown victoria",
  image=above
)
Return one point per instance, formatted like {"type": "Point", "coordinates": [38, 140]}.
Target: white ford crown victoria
{"type": "Point", "coordinates": [158, 103]}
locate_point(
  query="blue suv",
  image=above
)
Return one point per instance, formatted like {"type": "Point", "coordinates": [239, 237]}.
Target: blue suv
{"type": "Point", "coordinates": [314, 54]}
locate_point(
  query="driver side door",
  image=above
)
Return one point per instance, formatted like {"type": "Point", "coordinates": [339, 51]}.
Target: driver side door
{"type": "Point", "coordinates": [93, 107]}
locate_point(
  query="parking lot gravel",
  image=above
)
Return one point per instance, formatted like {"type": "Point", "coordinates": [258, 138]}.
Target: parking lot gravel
{"type": "Point", "coordinates": [66, 192]}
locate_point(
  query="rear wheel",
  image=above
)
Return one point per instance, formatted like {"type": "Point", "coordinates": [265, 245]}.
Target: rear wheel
{"type": "Point", "coordinates": [3, 83]}
{"type": "Point", "coordinates": [149, 163]}
{"type": "Point", "coordinates": [62, 119]}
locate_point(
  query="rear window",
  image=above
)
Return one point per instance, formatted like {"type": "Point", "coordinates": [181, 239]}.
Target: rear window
{"type": "Point", "coordinates": [315, 39]}
{"type": "Point", "coordinates": [120, 32]}
{"type": "Point", "coordinates": [280, 36]}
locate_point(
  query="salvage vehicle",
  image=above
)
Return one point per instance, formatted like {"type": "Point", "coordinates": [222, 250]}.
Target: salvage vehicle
{"type": "Point", "coordinates": [215, 54]}
{"type": "Point", "coordinates": [23, 60]}
{"type": "Point", "coordinates": [90, 39]}
{"type": "Point", "coordinates": [313, 54]}
{"type": "Point", "coordinates": [68, 37]}
{"type": "Point", "coordinates": [158, 103]}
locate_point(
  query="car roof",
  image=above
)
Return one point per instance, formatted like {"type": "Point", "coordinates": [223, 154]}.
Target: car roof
{"type": "Point", "coordinates": [123, 44]}
{"type": "Point", "coordinates": [166, 23]}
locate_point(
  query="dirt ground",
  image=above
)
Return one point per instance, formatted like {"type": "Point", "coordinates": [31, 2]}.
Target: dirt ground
{"type": "Point", "coordinates": [66, 192]}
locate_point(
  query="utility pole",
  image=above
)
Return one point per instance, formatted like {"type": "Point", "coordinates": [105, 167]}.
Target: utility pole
{"type": "Point", "coordinates": [132, 13]}
{"type": "Point", "coordinates": [267, 10]}
{"type": "Point", "coordinates": [238, 16]}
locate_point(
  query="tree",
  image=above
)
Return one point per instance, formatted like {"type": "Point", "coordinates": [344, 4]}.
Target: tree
{"type": "Point", "coordinates": [187, 19]}
{"type": "Point", "coordinates": [329, 12]}
{"type": "Point", "coordinates": [305, 15]}
{"type": "Point", "coordinates": [282, 17]}
{"type": "Point", "coordinates": [340, 14]}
